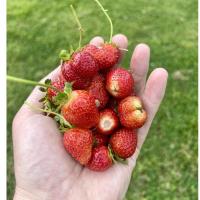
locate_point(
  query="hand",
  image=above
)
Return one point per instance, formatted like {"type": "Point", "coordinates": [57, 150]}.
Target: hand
{"type": "Point", "coordinates": [44, 170]}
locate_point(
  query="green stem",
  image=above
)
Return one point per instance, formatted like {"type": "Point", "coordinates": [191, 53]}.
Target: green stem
{"type": "Point", "coordinates": [29, 82]}
{"type": "Point", "coordinates": [50, 112]}
{"type": "Point", "coordinates": [79, 25]}
{"type": "Point", "coordinates": [108, 17]}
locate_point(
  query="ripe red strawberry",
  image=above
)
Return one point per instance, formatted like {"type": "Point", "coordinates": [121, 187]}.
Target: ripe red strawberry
{"type": "Point", "coordinates": [80, 110]}
{"type": "Point", "coordinates": [70, 76]}
{"type": "Point", "coordinates": [107, 56]}
{"type": "Point", "coordinates": [100, 139]}
{"type": "Point", "coordinates": [100, 160]}
{"type": "Point", "coordinates": [108, 122]}
{"type": "Point", "coordinates": [131, 112]}
{"type": "Point", "coordinates": [98, 91]}
{"type": "Point", "coordinates": [84, 64]}
{"type": "Point", "coordinates": [119, 83]}
{"type": "Point", "coordinates": [78, 142]}
{"type": "Point", "coordinates": [59, 84]}
{"type": "Point", "coordinates": [91, 49]}
{"type": "Point", "coordinates": [123, 142]}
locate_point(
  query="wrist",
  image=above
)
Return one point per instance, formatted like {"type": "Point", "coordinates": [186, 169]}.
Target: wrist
{"type": "Point", "coordinates": [21, 194]}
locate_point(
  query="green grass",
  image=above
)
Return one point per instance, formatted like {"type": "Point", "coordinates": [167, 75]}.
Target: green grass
{"type": "Point", "coordinates": [38, 30]}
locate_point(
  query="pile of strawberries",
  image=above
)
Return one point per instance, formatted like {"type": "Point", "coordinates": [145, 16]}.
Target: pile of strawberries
{"type": "Point", "coordinates": [94, 104]}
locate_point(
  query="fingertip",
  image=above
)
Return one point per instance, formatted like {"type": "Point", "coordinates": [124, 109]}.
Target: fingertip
{"type": "Point", "coordinates": [156, 86]}
{"type": "Point", "coordinates": [143, 47]}
{"type": "Point", "coordinates": [160, 73]}
{"type": "Point", "coordinates": [97, 41]}
{"type": "Point", "coordinates": [120, 40]}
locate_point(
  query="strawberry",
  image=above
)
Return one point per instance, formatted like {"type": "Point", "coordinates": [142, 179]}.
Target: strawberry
{"type": "Point", "coordinates": [84, 64]}
{"type": "Point", "coordinates": [131, 112]}
{"type": "Point", "coordinates": [108, 122]}
{"type": "Point", "coordinates": [100, 139]}
{"type": "Point", "coordinates": [78, 142]}
{"type": "Point", "coordinates": [107, 56]}
{"type": "Point", "coordinates": [119, 83]}
{"type": "Point", "coordinates": [98, 91]}
{"type": "Point", "coordinates": [100, 160]}
{"type": "Point", "coordinates": [70, 76]}
{"type": "Point", "coordinates": [80, 109]}
{"type": "Point", "coordinates": [123, 142]}
{"type": "Point", "coordinates": [59, 83]}
{"type": "Point", "coordinates": [91, 49]}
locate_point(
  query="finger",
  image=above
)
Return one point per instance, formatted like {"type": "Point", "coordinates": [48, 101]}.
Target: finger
{"type": "Point", "coordinates": [139, 66]}
{"type": "Point", "coordinates": [97, 41]}
{"type": "Point", "coordinates": [36, 94]}
{"type": "Point", "coordinates": [152, 97]}
{"type": "Point", "coordinates": [121, 42]}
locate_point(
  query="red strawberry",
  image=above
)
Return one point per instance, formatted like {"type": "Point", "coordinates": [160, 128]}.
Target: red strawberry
{"type": "Point", "coordinates": [131, 112]}
{"type": "Point", "coordinates": [70, 76]}
{"type": "Point", "coordinates": [108, 122]}
{"type": "Point", "coordinates": [91, 49]}
{"type": "Point", "coordinates": [123, 142]}
{"type": "Point", "coordinates": [100, 139]}
{"type": "Point", "coordinates": [107, 56]}
{"type": "Point", "coordinates": [119, 83]}
{"type": "Point", "coordinates": [78, 142]}
{"type": "Point", "coordinates": [59, 84]}
{"type": "Point", "coordinates": [80, 110]}
{"type": "Point", "coordinates": [100, 160]}
{"type": "Point", "coordinates": [84, 64]}
{"type": "Point", "coordinates": [98, 91]}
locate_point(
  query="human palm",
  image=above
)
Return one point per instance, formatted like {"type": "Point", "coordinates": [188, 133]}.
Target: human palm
{"type": "Point", "coordinates": [43, 168]}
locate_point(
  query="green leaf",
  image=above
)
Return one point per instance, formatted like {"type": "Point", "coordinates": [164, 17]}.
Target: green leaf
{"type": "Point", "coordinates": [64, 55]}
{"type": "Point", "coordinates": [60, 98]}
{"type": "Point", "coordinates": [42, 99]}
{"type": "Point", "coordinates": [57, 118]}
{"type": "Point", "coordinates": [121, 160]}
{"type": "Point", "coordinates": [47, 81]}
{"type": "Point", "coordinates": [68, 88]}
{"type": "Point", "coordinates": [42, 89]}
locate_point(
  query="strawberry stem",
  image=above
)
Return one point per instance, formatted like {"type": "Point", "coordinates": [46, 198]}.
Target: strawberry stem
{"type": "Point", "coordinates": [108, 17]}
{"type": "Point", "coordinates": [79, 25]}
{"type": "Point", "coordinates": [30, 82]}
{"type": "Point", "coordinates": [50, 112]}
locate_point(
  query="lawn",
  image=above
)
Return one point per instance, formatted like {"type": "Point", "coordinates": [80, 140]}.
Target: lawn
{"type": "Point", "coordinates": [38, 30]}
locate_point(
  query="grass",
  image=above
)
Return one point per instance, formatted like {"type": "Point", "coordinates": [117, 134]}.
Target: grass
{"type": "Point", "coordinates": [38, 30]}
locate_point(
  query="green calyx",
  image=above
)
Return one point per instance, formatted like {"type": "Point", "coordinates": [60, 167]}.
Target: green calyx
{"type": "Point", "coordinates": [115, 158]}
{"type": "Point", "coordinates": [64, 55]}
{"type": "Point", "coordinates": [62, 97]}
{"type": "Point", "coordinates": [64, 125]}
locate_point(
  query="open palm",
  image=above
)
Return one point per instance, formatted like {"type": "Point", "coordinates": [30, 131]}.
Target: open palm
{"type": "Point", "coordinates": [43, 168]}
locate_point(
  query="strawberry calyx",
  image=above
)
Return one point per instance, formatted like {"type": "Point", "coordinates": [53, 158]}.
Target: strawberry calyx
{"type": "Point", "coordinates": [63, 123]}
{"type": "Point", "coordinates": [115, 158]}
{"type": "Point", "coordinates": [64, 55]}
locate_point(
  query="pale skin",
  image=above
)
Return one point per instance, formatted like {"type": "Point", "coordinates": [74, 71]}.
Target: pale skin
{"type": "Point", "coordinates": [44, 170]}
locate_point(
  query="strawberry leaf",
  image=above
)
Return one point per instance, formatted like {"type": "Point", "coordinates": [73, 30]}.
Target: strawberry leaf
{"type": "Point", "coordinates": [121, 160]}
{"type": "Point", "coordinates": [68, 88]}
{"type": "Point", "coordinates": [42, 89]}
{"type": "Point", "coordinates": [60, 98]}
{"type": "Point", "coordinates": [47, 81]}
{"type": "Point", "coordinates": [64, 55]}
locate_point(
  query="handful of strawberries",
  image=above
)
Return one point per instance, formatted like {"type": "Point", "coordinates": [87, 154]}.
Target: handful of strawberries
{"type": "Point", "coordinates": [94, 104]}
